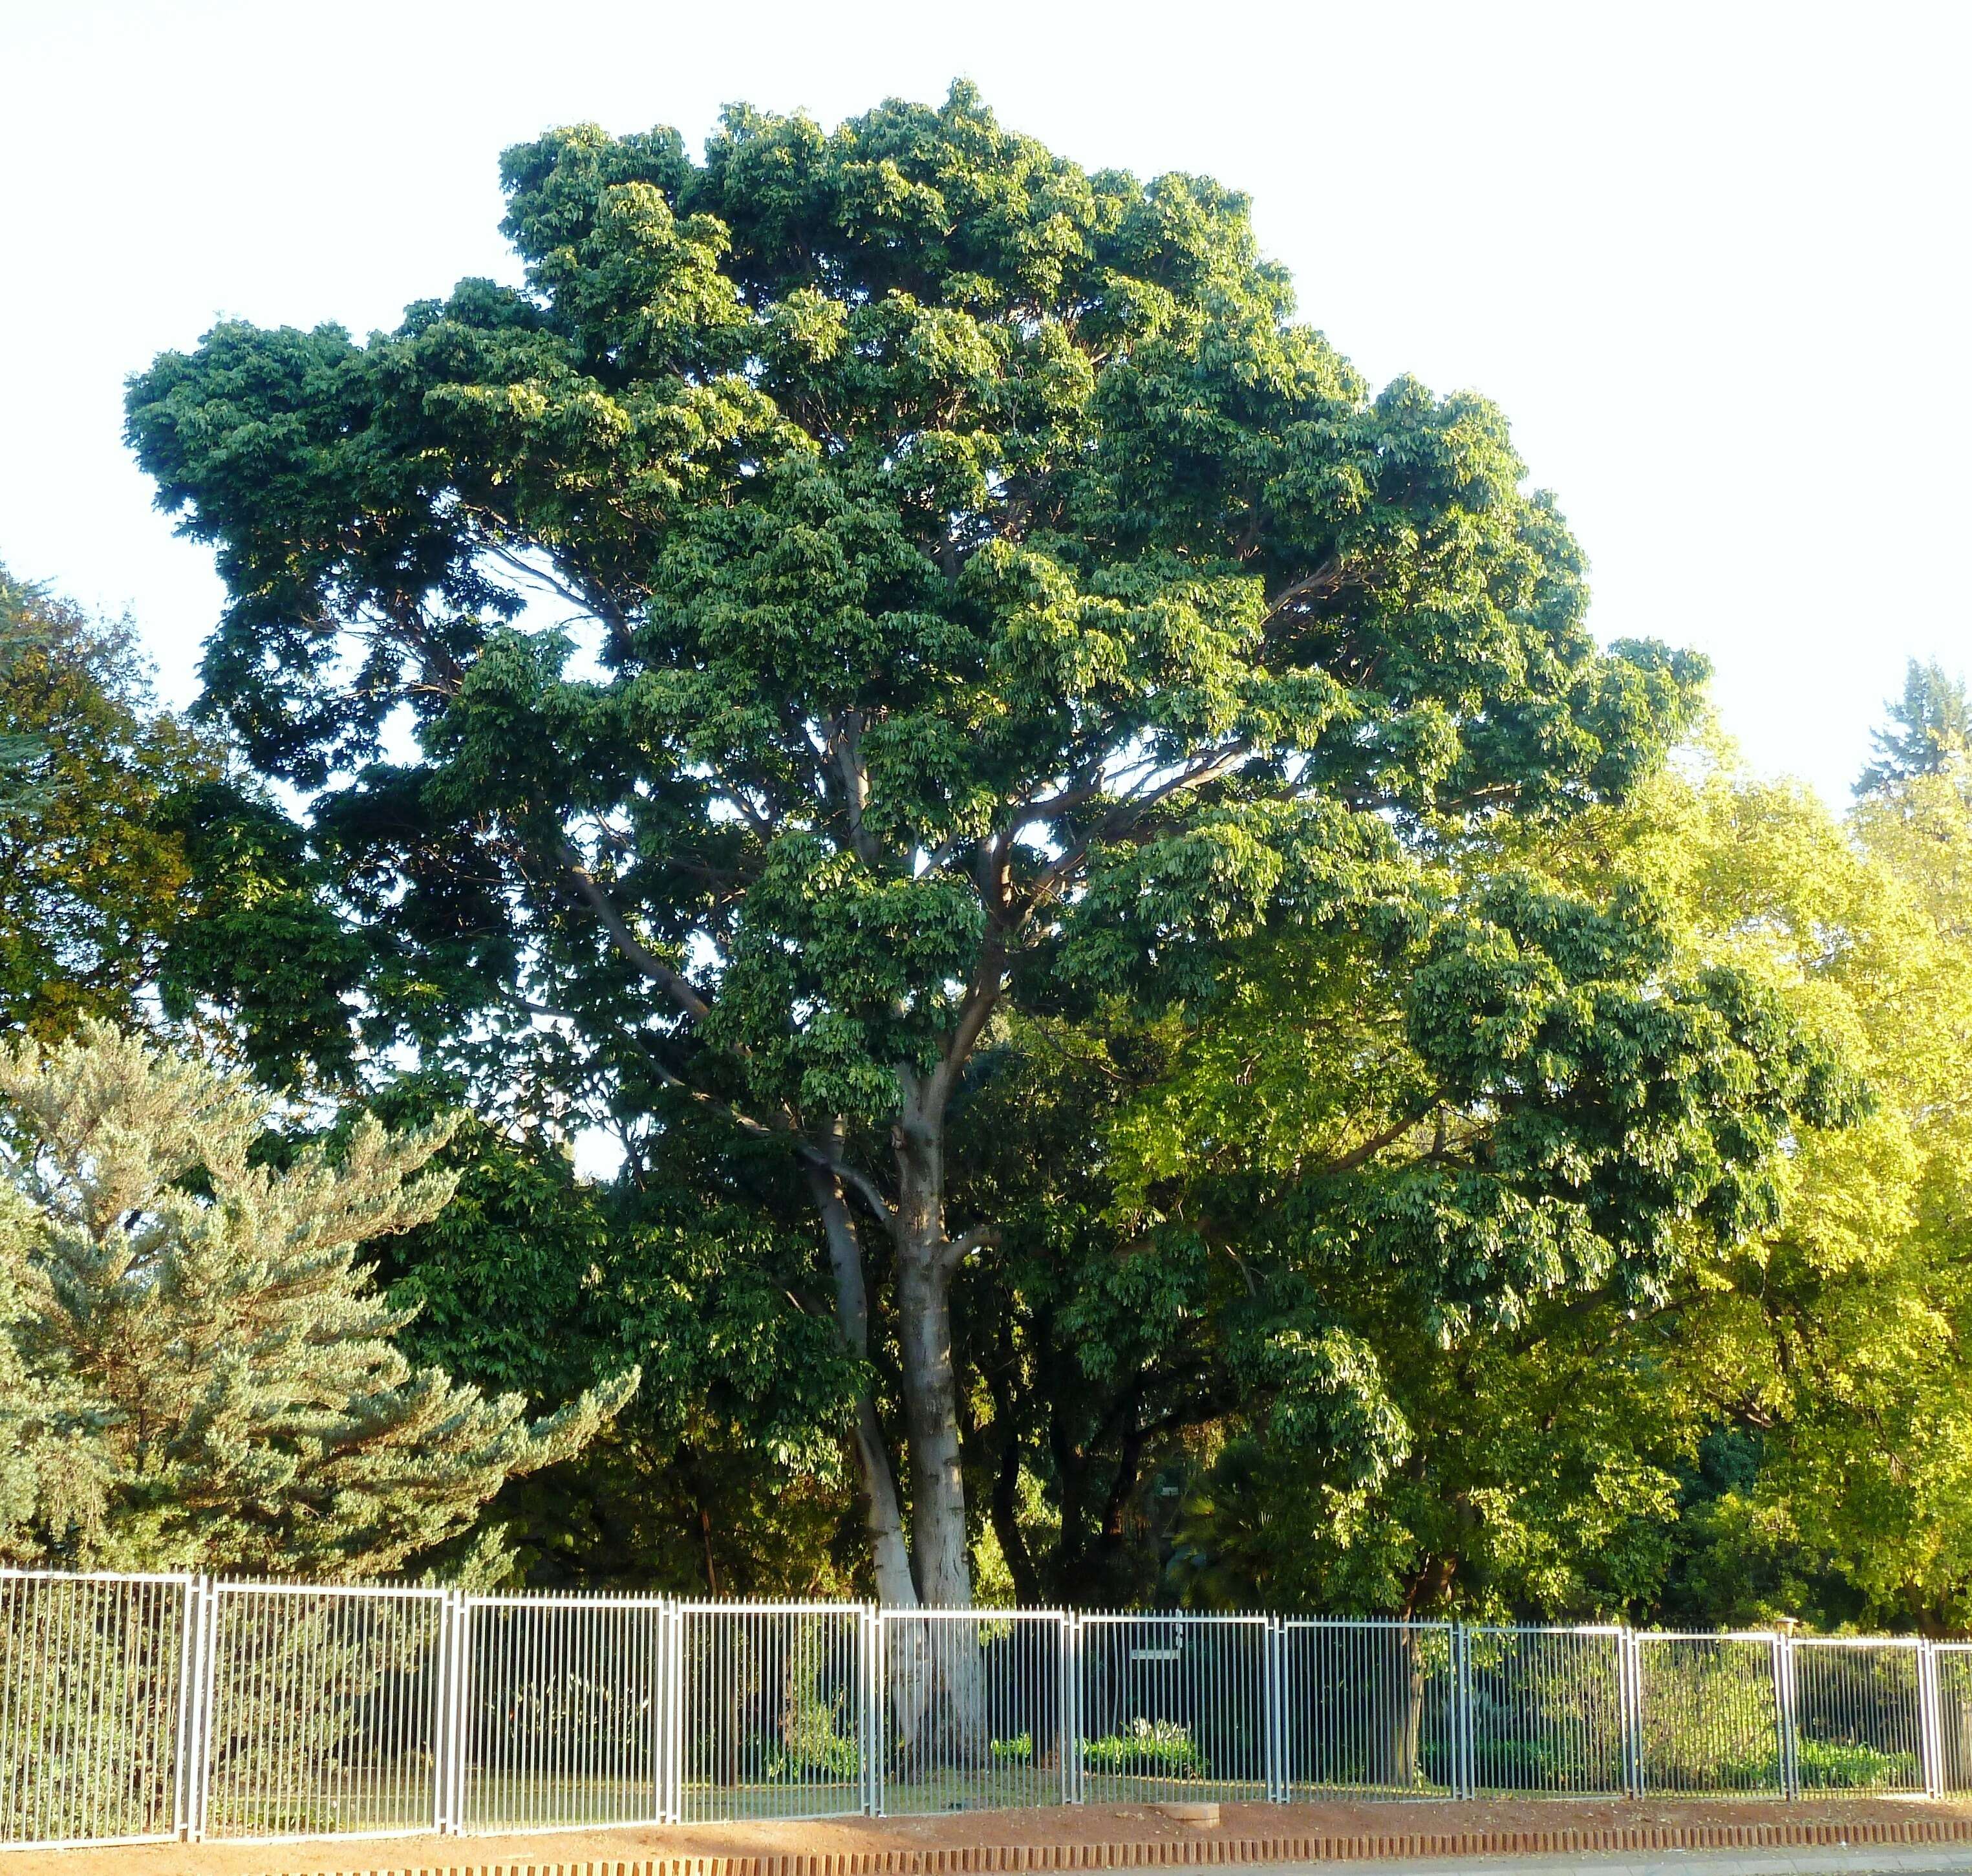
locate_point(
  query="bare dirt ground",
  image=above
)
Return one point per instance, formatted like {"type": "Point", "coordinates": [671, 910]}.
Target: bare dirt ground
{"type": "Point", "coordinates": [1060, 1825]}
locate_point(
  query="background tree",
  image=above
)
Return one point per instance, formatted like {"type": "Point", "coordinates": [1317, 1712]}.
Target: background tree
{"type": "Point", "coordinates": [969, 578]}
{"type": "Point", "coordinates": [1833, 1487]}
{"type": "Point", "coordinates": [192, 1330]}
{"type": "Point", "coordinates": [1930, 729]}
{"type": "Point", "coordinates": [724, 1473]}
{"type": "Point", "coordinates": [94, 872]}
{"type": "Point", "coordinates": [1371, 1216]}
{"type": "Point", "coordinates": [1780, 1432]}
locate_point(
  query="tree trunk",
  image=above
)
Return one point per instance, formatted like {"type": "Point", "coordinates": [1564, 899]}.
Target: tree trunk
{"type": "Point", "coordinates": [926, 1259]}
{"type": "Point", "coordinates": [883, 1514]}
{"type": "Point", "coordinates": [951, 1731]}
{"type": "Point", "coordinates": [1406, 1708]}
{"type": "Point", "coordinates": [931, 1411]}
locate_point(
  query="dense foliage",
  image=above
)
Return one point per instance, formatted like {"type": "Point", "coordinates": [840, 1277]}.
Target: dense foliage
{"type": "Point", "coordinates": [93, 871]}
{"type": "Point", "coordinates": [976, 593]}
{"type": "Point", "coordinates": [194, 1372]}
{"type": "Point", "coordinates": [1168, 1026]}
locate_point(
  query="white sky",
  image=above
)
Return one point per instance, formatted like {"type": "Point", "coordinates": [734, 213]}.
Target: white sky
{"type": "Point", "coordinates": [1711, 259]}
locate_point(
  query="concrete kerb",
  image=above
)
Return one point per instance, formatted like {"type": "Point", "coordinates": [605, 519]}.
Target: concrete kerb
{"type": "Point", "coordinates": [1862, 1844]}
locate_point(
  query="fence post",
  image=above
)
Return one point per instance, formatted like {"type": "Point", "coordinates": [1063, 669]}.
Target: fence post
{"type": "Point", "coordinates": [661, 1703]}
{"type": "Point", "coordinates": [1630, 1682]}
{"type": "Point", "coordinates": [876, 1671]}
{"type": "Point", "coordinates": [190, 1660]}
{"type": "Point", "coordinates": [1463, 1779]}
{"type": "Point", "coordinates": [198, 1773]}
{"type": "Point", "coordinates": [1071, 1708]}
{"type": "Point", "coordinates": [672, 1699]}
{"type": "Point", "coordinates": [1931, 1731]}
{"type": "Point", "coordinates": [1274, 1701]}
{"type": "Point", "coordinates": [441, 1809]}
{"type": "Point", "coordinates": [1784, 1726]}
{"type": "Point", "coordinates": [457, 1635]}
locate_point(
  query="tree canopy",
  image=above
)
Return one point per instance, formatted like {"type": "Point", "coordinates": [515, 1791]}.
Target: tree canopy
{"type": "Point", "coordinates": [866, 587]}
{"type": "Point", "coordinates": [1929, 732]}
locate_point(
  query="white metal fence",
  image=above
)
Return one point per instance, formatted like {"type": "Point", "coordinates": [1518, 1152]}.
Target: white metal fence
{"type": "Point", "coordinates": [138, 1708]}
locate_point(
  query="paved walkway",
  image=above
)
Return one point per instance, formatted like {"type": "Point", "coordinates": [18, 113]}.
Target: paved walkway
{"type": "Point", "coordinates": [1923, 1859]}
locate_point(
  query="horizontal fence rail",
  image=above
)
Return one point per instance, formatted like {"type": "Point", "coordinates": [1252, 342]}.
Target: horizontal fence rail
{"type": "Point", "coordinates": [140, 1708]}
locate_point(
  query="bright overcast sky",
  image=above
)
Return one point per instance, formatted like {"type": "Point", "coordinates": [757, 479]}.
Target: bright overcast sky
{"type": "Point", "coordinates": [1710, 259]}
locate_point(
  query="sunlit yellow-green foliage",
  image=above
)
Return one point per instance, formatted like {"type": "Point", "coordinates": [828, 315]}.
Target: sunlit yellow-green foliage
{"type": "Point", "coordinates": [92, 876]}
{"type": "Point", "coordinates": [1843, 1340]}
{"type": "Point", "coordinates": [1786, 1426]}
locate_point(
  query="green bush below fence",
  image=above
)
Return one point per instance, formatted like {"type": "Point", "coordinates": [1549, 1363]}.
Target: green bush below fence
{"type": "Point", "coordinates": [1161, 1746]}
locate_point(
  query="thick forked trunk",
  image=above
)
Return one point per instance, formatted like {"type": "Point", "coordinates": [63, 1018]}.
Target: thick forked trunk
{"type": "Point", "coordinates": [883, 1514]}
{"type": "Point", "coordinates": [927, 1260]}
{"type": "Point", "coordinates": [931, 1412]}
{"type": "Point", "coordinates": [949, 1697]}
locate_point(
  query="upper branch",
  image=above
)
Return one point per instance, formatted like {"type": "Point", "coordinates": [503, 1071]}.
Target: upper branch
{"type": "Point", "coordinates": [1327, 579]}
{"type": "Point", "coordinates": [674, 985]}
{"type": "Point", "coordinates": [1125, 814]}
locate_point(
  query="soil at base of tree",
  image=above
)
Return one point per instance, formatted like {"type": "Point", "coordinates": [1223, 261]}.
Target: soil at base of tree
{"type": "Point", "coordinates": [1076, 1824]}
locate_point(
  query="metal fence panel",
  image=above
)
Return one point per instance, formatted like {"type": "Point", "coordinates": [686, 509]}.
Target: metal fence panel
{"type": "Point", "coordinates": [972, 1705]}
{"type": "Point", "coordinates": [1369, 1709]}
{"type": "Point", "coordinates": [1173, 1706]}
{"type": "Point", "coordinates": [1709, 1713]}
{"type": "Point", "coordinates": [1858, 1717]}
{"type": "Point", "coordinates": [1543, 1710]}
{"type": "Point", "coordinates": [94, 1673]}
{"type": "Point", "coordinates": [564, 1720]}
{"type": "Point", "coordinates": [1952, 1665]}
{"type": "Point", "coordinates": [774, 1709]}
{"type": "Point", "coordinates": [321, 1711]}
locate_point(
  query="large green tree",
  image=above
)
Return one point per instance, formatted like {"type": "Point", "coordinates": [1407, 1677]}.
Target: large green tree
{"type": "Point", "coordinates": [861, 583]}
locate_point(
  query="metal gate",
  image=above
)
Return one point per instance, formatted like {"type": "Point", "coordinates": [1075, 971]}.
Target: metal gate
{"type": "Point", "coordinates": [1370, 1709]}
{"type": "Point", "coordinates": [1858, 1716]}
{"type": "Point", "coordinates": [1176, 1706]}
{"type": "Point", "coordinates": [773, 1710]}
{"type": "Point", "coordinates": [1543, 1710]}
{"type": "Point", "coordinates": [567, 1721]}
{"type": "Point", "coordinates": [1709, 1716]}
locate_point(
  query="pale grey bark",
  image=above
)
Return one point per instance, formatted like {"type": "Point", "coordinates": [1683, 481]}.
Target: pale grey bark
{"type": "Point", "coordinates": [883, 1516]}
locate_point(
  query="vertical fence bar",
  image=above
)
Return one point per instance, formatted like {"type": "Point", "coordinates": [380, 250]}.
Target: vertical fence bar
{"type": "Point", "coordinates": [1461, 1711]}
{"type": "Point", "coordinates": [1272, 1677]}
{"type": "Point", "coordinates": [1630, 1669]}
{"type": "Point", "coordinates": [1784, 1714]}
{"type": "Point", "coordinates": [1072, 1734]}
{"type": "Point", "coordinates": [208, 1627]}
{"type": "Point", "coordinates": [674, 1703]}
{"type": "Point", "coordinates": [184, 1746]}
{"type": "Point", "coordinates": [1931, 1731]}
{"type": "Point", "coordinates": [872, 1728]}
{"type": "Point", "coordinates": [455, 1660]}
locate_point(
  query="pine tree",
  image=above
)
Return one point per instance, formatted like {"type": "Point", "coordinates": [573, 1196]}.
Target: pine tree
{"type": "Point", "coordinates": [196, 1371]}
{"type": "Point", "coordinates": [1929, 733]}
